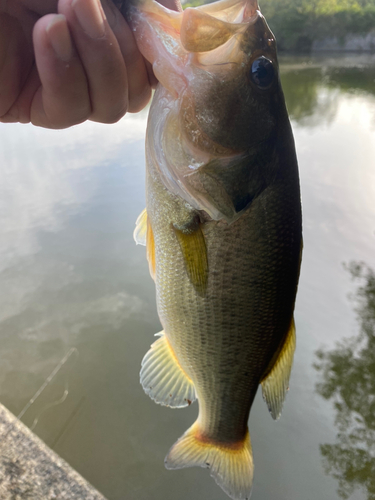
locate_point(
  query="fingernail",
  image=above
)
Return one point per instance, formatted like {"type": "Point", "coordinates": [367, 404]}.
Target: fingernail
{"type": "Point", "coordinates": [90, 16]}
{"type": "Point", "coordinates": [58, 33]}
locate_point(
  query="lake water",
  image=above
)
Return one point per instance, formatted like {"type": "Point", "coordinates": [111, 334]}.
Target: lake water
{"type": "Point", "coordinates": [78, 305]}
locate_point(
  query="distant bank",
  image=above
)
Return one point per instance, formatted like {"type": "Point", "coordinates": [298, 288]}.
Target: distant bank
{"type": "Point", "coordinates": [320, 25]}
{"type": "Point", "coordinates": [340, 25]}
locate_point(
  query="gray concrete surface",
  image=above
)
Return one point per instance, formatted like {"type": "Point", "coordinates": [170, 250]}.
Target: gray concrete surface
{"type": "Point", "coordinates": [30, 470]}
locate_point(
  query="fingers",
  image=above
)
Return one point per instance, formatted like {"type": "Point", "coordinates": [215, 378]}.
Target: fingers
{"type": "Point", "coordinates": [13, 46]}
{"type": "Point", "coordinates": [87, 65]}
{"type": "Point", "coordinates": [63, 98]}
{"type": "Point", "coordinates": [101, 58]}
{"type": "Point", "coordinates": [40, 7]}
{"type": "Point", "coordinates": [139, 90]}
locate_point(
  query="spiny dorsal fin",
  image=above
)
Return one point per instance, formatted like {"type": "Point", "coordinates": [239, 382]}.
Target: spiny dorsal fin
{"type": "Point", "coordinates": [231, 465]}
{"type": "Point", "coordinates": [193, 247]}
{"type": "Point", "coordinates": [162, 377]}
{"type": "Point", "coordinates": [276, 382]}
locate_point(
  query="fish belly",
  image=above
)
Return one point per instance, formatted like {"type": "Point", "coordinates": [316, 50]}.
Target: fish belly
{"type": "Point", "coordinates": [226, 338]}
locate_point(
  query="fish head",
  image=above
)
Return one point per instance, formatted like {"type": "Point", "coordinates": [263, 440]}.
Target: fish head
{"type": "Point", "coordinates": [219, 60]}
{"type": "Point", "coordinates": [234, 85]}
{"type": "Point", "coordinates": [218, 66]}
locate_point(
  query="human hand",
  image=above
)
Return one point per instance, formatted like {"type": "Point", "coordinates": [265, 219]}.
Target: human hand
{"type": "Point", "coordinates": [65, 61]}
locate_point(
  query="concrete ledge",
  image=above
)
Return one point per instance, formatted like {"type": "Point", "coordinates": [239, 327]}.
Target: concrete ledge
{"type": "Point", "coordinates": [30, 470]}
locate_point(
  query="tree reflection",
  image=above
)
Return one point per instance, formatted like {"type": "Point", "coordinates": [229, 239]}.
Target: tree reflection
{"type": "Point", "coordinates": [308, 100]}
{"type": "Point", "coordinates": [301, 91]}
{"type": "Point", "coordinates": [359, 79]}
{"type": "Point", "coordinates": [312, 93]}
{"type": "Point", "coordinates": [348, 379]}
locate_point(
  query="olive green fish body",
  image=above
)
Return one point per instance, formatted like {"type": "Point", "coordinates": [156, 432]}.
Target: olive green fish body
{"type": "Point", "coordinates": [222, 227]}
{"type": "Point", "coordinates": [226, 339]}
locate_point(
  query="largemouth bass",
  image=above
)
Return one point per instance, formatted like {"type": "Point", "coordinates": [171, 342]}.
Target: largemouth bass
{"type": "Point", "coordinates": [222, 227]}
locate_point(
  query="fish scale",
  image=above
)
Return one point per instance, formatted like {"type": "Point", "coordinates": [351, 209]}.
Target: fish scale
{"type": "Point", "coordinates": [226, 313]}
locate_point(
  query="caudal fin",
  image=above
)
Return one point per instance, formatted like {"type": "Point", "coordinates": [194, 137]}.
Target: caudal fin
{"type": "Point", "coordinates": [230, 465]}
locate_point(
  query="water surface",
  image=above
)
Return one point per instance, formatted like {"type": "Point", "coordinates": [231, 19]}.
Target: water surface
{"type": "Point", "coordinates": [72, 278]}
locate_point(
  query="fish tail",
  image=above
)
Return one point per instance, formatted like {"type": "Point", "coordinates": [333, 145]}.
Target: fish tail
{"type": "Point", "coordinates": [231, 465]}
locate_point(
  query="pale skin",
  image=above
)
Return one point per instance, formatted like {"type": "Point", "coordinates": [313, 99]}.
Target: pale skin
{"type": "Point", "coordinates": [66, 61]}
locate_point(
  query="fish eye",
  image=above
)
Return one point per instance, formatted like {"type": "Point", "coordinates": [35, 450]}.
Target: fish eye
{"type": "Point", "coordinates": [262, 73]}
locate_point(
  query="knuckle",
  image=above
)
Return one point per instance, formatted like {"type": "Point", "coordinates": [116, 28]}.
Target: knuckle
{"type": "Point", "coordinates": [112, 116]}
{"type": "Point", "coordinates": [139, 100]}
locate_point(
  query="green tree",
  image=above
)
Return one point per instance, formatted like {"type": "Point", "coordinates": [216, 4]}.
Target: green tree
{"type": "Point", "coordinates": [297, 23]}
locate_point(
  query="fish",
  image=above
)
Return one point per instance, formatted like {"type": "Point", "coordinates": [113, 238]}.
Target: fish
{"type": "Point", "coordinates": [222, 227]}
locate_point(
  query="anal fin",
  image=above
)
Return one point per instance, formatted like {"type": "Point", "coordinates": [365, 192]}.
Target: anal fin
{"type": "Point", "coordinates": [162, 377]}
{"type": "Point", "coordinates": [275, 384]}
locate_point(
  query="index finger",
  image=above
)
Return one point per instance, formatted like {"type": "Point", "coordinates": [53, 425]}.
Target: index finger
{"type": "Point", "coordinates": [139, 89]}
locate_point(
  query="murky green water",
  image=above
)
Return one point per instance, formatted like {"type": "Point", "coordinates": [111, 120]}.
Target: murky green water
{"type": "Point", "coordinates": [72, 277]}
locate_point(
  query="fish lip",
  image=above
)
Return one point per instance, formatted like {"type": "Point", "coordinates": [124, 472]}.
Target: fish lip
{"type": "Point", "coordinates": [250, 15]}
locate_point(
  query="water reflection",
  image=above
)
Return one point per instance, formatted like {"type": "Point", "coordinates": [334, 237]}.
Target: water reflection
{"type": "Point", "coordinates": [312, 90]}
{"type": "Point", "coordinates": [348, 380]}
{"type": "Point", "coordinates": [357, 79]}
{"type": "Point", "coordinates": [309, 102]}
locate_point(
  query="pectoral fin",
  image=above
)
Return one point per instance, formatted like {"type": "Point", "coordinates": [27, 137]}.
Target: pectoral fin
{"type": "Point", "coordinates": [143, 235]}
{"type": "Point", "coordinates": [140, 230]}
{"type": "Point", "coordinates": [150, 245]}
{"type": "Point", "coordinates": [193, 247]}
{"type": "Point", "coordinates": [162, 377]}
{"type": "Point", "coordinates": [275, 384]}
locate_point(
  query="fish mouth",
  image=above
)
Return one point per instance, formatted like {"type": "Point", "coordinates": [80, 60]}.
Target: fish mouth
{"type": "Point", "coordinates": [231, 11]}
{"type": "Point", "coordinates": [201, 28]}
{"type": "Point", "coordinates": [227, 10]}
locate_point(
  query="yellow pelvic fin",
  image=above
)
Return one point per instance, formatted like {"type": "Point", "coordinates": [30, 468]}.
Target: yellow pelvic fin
{"type": "Point", "coordinates": [140, 230]}
{"type": "Point", "coordinates": [193, 247]}
{"type": "Point", "coordinates": [162, 377]}
{"type": "Point", "coordinates": [150, 246]}
{"type": "Point", "coordinates": [231, 465]}
{"type": "Point", "coordinates": [275, 384]}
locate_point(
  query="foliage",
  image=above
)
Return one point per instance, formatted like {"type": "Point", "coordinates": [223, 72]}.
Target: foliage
{"type": "Point", "coordinates": [348, 379]}
{"type": "Point", "coordinates": [297, 23]}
